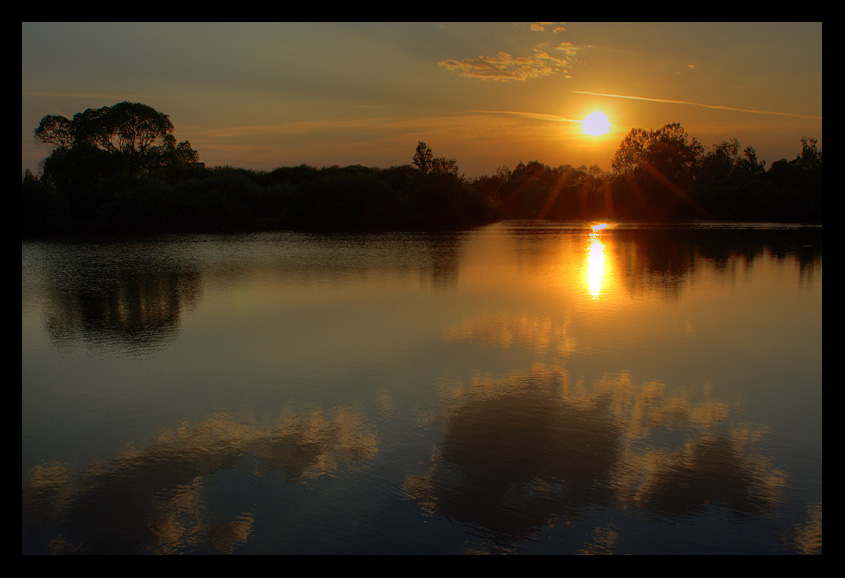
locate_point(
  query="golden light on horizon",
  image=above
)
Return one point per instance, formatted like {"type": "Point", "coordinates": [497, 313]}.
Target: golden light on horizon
{"type": "Point", "coordinates": [596, 124]}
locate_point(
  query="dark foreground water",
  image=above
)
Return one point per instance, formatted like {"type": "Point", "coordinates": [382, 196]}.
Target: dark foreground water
{"type": "Point", "coordinates": [521, 388]}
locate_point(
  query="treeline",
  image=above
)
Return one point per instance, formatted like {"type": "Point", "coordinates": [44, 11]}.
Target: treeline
{"type": "Point", "coordinates": [218, 199]}
{"type": "Point", "coordinates": [119, 170]}
{"type": "Point", "coordinates": [666, 175]}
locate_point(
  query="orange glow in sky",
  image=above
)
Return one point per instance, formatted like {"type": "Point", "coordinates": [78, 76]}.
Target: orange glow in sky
{"type": "Point", "coordinates": [488, 94]}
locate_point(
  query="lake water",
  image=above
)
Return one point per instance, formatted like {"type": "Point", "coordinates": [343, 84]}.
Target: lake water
{"type": "Point", "coordinates": [525, 387]}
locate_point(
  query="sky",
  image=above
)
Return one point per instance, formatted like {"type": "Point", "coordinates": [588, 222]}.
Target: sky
{"type": "Point", "coordinates": [266, 95]}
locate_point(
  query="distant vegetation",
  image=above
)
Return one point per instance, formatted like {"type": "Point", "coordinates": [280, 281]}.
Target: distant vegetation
{"type": "Point", "coordinates": [119, 170]}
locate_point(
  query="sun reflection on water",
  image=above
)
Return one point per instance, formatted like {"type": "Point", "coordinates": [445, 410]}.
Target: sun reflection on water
{"type": "Point", "coordinates": [595, 270]}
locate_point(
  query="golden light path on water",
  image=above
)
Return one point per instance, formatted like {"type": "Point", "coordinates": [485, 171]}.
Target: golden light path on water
{"type": "Point", "coordinates": [595, 261]}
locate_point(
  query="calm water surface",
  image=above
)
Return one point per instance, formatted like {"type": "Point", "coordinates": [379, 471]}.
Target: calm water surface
{"type": "Point", "coordinates": [525, 387]}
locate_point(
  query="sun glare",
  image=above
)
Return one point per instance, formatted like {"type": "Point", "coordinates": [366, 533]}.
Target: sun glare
{"type": "Point", "coordinates": [596, 124]}
{"type": "Point", "coordinates": [596, 260]}
{"type": "Point", "coordinates": [595, 266]}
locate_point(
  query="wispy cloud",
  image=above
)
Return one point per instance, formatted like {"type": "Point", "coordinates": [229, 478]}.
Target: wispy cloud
{"type": "Point", "coordinates": [302, 127]}
{"type": "Point", "coordinates": [543, 26]}
{"type": "Point", "coordinates": [99, 95]}
{"type": "Point", "coordinates": [530, 115]}
{"type": "Point", "coordinates": [715, 106]}
{"type": "Point", "coordinates": [505, 67]}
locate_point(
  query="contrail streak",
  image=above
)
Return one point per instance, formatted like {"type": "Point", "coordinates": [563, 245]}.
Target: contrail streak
{"type": "Point", "coordinates": [697, 104]}
{"type": "Point", "coordinates": [532, 115]}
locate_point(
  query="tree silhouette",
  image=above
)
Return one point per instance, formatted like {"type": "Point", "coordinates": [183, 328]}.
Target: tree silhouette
{"type": "Point", "coordinates": [669, 151]}
{"type": "Point", "coordinates": [119, 169]}
{"type": "Point", "coordinates": [427, 163]}
{"type": "Point", "coordinates": [423, 157]}
{"type": "Point", "coordinates": [137, 131]}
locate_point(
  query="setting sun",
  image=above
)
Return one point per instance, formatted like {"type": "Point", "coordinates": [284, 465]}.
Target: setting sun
{"type": "Point", "coordinates": [596, 124]}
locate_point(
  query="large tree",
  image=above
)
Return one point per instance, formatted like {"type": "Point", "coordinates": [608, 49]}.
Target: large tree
{"type": "Point", "coordinates": [656, 170]}
{"type": "Point", "coordinates": [669, 152]}
{"type": "Point", "coordinates": [136, 131]}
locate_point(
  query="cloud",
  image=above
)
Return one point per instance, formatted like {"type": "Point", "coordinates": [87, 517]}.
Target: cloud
{"type": "Point", "coordinates": [96, 95]}
{"type": "Point", "coordinates": [505, 67]}
{"type": "Point", "coordinates": [530, 115]}
{"type": "Point", "coordinates": [716, 106]}
{"type": "Point", "coordinates": [304, 127]}
{"type": "Point", "coordinates": [542, 26]}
